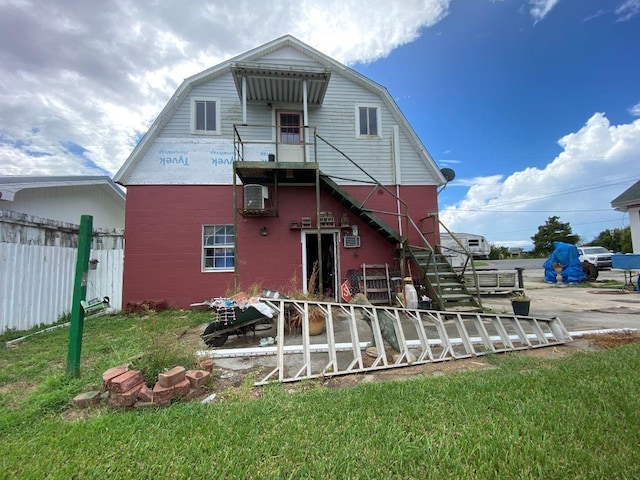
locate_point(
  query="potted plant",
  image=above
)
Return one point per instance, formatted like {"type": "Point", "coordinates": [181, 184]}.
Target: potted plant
{"type": "Point", "coordinates": [520, 304]}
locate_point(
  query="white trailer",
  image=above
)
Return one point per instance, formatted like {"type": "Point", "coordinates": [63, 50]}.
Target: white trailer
{"type": "Point", "coordinates": [466, 244]}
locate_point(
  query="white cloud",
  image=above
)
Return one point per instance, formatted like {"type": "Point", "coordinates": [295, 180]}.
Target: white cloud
{"type": "Point", "coordinates": [595, 166]}
{"type": "Point", "coordinates": [98, 75]}
{"type": "Point", "coordinates": [627, 10]}
{"type": "Point", "coordinates": [635, 110]}
{"type": "Point", "coordinates": [540, 8]}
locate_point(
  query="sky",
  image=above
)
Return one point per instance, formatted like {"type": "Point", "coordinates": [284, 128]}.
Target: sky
{"type": "Point", "coordinates": [535, 104]}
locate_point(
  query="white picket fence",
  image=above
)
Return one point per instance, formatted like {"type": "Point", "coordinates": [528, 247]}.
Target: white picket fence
{"type": "Point", "coordinates": [36, 281]}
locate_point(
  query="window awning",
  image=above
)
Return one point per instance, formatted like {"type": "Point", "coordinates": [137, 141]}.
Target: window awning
{"type": "Point", "coordinates": [281, 83]}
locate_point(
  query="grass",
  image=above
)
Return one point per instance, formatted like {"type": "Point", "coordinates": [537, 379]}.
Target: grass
{"type": "Point", "coordinates": [578, 417]}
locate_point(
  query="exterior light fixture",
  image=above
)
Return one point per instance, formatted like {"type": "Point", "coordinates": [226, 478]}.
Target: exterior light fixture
{"type": "Point", "coordinates": [354, 230]}
{"type": "Point", "coordinates": [264, 232]}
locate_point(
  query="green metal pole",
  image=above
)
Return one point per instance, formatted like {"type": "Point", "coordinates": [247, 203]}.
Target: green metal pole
{"type": "Point", "coordinates": [79, 294]}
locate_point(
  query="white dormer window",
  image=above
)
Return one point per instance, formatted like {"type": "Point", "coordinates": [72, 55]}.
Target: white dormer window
{"type": "Point", "coordinates": [367, 121]}
{"type": "Point", "coordinates": [205, 116]}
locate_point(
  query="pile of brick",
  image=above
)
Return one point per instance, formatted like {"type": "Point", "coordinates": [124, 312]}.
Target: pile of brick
{"type": "Point", "coordinates": [125, 388]}
{"type": "Point", "coordinates": [146, 306]}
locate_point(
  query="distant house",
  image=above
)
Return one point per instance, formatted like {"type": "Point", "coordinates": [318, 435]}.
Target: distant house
{"type": "Point", "coordinates": [280, 168]}
{"type": "Point", "coordinates": [629, 201]}
{"type": "Point", "coordinates": [65, 199]}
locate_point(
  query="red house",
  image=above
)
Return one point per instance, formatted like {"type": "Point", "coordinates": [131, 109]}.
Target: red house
{"type": "Point", "coordinates": [269, 164]}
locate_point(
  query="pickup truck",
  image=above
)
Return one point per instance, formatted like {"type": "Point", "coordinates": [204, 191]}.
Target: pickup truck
{"type": "Point", "coordinates": [599, 257]}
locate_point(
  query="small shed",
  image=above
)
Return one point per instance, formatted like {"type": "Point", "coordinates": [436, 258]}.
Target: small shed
{"type": "Point", "coordinates": [629, 201]}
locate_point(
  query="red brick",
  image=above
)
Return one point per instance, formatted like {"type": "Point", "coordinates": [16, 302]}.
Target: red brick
{"type": "Point", "coordinates": [197, 377]}
{"type": "Point", "coordinates": [207, 365]}
{"type": "Point", "coordinates": [87, 399]}
{"type": "Point", "coordinates": [182, 389]}
{"type": "Point", "coordinates": [171, 377]}
{"type": "Point", "coordinates": [113, 373]}
{"type": "Point", "coordinates": [145, 394]}
{"type": "Point", "coordinates": [162, 394]}
{"type": "Point", "coordinates": [194, 393]}
{"type": "Point", "coordinates": [125, 399]}
{"type": "Point", "coordinates": [126, 381]}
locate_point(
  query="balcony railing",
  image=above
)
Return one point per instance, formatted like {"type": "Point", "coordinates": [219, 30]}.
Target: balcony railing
{"type": "Point", "coordinates": [274, 143]}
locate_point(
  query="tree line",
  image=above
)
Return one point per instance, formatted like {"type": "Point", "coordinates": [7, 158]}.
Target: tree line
{"type": "Point", "coordinates": [553, 230]}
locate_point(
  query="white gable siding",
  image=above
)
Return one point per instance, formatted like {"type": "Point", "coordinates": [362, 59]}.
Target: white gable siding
{"type": "Point", "coordinates": [230, 109]}
{"type": "Point", "coordinates": [68, 204]}
{"type": "Point", "coordinates": [335, 120]}
{"type": "Point", "coordinates": [289, 56]}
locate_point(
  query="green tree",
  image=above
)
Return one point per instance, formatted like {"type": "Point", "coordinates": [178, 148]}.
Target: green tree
{"type": "Point", "coordinates": [616, 240]}
{"type": "Point", "coordinates": [552, 231]}
{"type": "Point", "coordinates": [498, 253]}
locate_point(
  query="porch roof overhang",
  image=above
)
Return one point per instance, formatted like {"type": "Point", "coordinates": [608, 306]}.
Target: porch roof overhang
{"type": "Point", "coordinates": [281, 83]}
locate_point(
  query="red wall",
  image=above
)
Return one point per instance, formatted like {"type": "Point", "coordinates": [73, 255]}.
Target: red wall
{"type": "Point", "coordinates": [163, 239]}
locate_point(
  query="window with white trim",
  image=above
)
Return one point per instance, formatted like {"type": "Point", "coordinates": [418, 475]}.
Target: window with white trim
{"type": "Point", "coordinates": [367, 121]}
{"type": "Point", "coordinates": [218, 251]}
{"type": "Point", "coordinates": [205, 116]}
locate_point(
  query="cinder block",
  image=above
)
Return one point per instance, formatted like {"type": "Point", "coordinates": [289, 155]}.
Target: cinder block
{"type": "Point", "coordinates": [162, 394]}
{"type": "Point", "coordinates": [197, 377]}
{"type": "Point", "coordinates": [126, 381]}
{"type": "Point", "coordinates": [171, 377]}
{"type": "Point", "coordinates": [182, 389]}
{"type": "Point", "coordinates": [111, 374]}
{"type": "Point", "coordinates": [87, 399]}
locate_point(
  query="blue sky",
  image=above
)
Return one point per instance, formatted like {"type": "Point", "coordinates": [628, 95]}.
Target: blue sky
{"type": "Point", "coordinates": [491, 92]}
{"type": "Point", "coordinates": [534, 103]}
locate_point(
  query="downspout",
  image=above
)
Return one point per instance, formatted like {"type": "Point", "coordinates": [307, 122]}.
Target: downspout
{"type": "Point", "coordinates": [235, 230]}
{"type": "Point", "coordinates": [319, 231]}
{"type": "Point", "coordinates": [305, 118]}
{"type": "Point", "coordinates": [397, 178]}
{"type": "Point", "coordinates": [244, 100]}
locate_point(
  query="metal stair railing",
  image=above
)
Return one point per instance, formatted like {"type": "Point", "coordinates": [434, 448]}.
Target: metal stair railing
{"type": "Point", "coordinates": [364, 338]}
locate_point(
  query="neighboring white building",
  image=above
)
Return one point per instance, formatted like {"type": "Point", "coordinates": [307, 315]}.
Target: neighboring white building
{"type": "Point", "coordinates": [39, 219]}
{"type": "Point", "coordinates": [65, 199]}
{"type": "Point", "coordinates": [629, 201]}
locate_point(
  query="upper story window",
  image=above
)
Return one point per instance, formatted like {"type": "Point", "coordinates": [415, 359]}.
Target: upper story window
{"type": "Point", "coordinates": [367, 121]}
{"type": "Point", "coordinates": [205, 116]}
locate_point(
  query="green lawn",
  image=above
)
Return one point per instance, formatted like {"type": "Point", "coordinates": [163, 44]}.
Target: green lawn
{"type": "Point", "coordinates": [578, 417]}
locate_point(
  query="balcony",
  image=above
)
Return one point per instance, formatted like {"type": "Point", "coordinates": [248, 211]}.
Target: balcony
{"type": "Point", "coordinates": [275, 154]}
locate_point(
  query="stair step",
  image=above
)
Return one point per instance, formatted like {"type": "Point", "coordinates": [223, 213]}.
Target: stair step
{"type": "Point", "coordinates": [456, 296]}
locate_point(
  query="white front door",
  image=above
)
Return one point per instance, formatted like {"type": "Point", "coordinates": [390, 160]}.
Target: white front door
{"type": "Point", "coordinates": [290, 137]}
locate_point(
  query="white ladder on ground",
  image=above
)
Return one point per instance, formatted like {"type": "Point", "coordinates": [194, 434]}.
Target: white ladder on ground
{"type": "Point", "coordinates": [364, 338]}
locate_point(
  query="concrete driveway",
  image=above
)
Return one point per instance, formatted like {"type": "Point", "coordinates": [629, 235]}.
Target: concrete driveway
{"type": "Point", "coordinates": [579, 307]}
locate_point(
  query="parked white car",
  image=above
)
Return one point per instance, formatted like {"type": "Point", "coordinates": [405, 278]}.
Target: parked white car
{"type": "Point", "coordinates": [599, 257]}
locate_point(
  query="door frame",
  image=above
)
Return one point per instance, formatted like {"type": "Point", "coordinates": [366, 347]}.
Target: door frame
{"type": "Point", "coordinates": [290, 152]}
{"type": "Point", "coordinates": [306, 268]}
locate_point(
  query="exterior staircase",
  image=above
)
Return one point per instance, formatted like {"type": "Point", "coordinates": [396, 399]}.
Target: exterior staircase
{"type": "Point", "coordinates": [445, 286]}
{"type": "Point", "coordinates": [359, 210]}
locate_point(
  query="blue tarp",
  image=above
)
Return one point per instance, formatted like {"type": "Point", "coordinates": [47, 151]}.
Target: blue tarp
{"type": "Point", "coordinates": [566, 255]}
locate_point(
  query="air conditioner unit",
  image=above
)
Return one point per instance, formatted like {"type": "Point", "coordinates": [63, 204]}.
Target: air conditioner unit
{"type": "Point", "coordinates": [254, 196]}
{"type": "Point", "coordinates": [351, 241]}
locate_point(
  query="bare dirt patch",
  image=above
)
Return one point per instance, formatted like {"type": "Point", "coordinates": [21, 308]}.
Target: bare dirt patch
{"type": "Point", "coordinates": [237, 383]}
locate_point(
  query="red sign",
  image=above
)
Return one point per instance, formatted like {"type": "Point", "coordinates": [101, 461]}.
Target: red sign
{"type": "Point", "coordinates": [345, 291]}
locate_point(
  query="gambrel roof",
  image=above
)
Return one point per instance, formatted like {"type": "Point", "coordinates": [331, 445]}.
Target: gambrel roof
{"type": "Point", "coordinates": [285, 79]}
